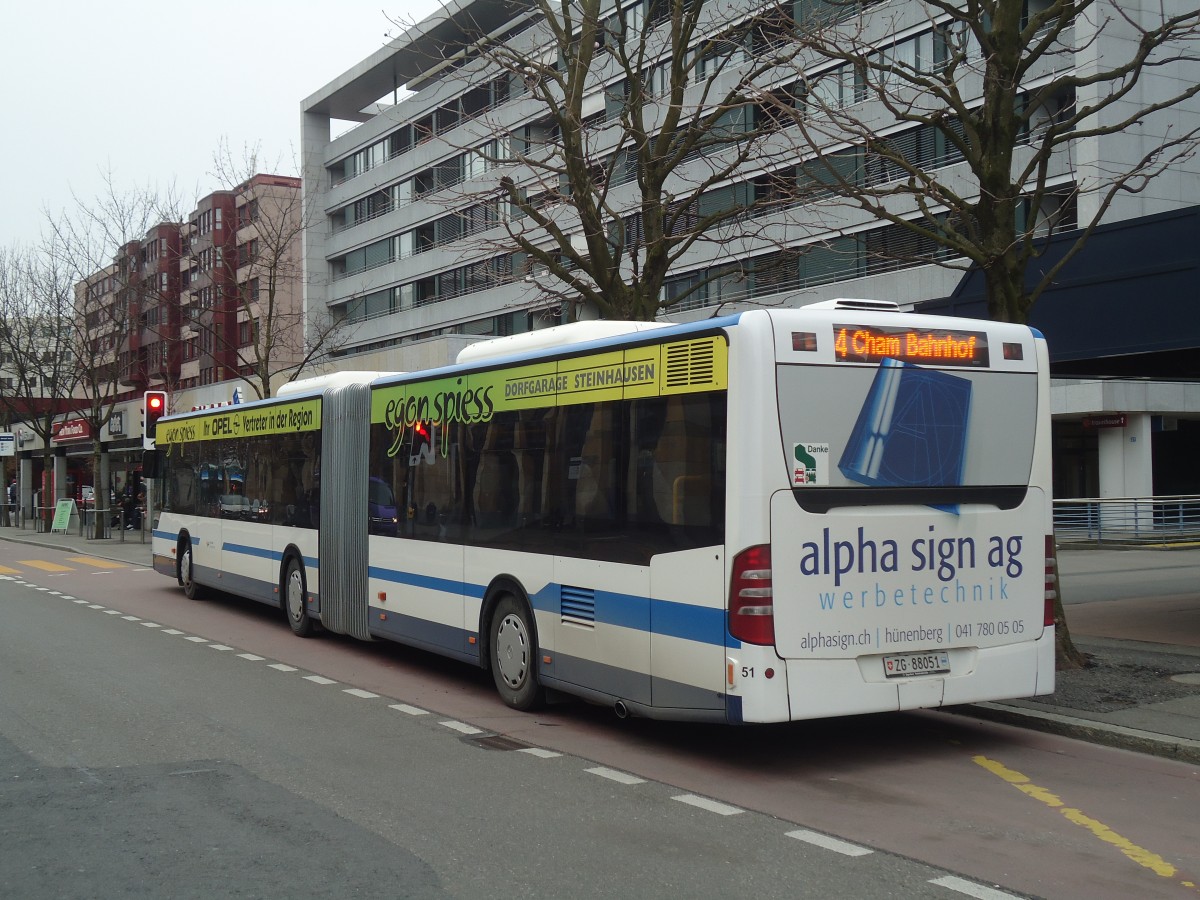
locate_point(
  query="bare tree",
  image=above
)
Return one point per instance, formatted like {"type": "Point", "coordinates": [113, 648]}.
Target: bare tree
{"type": "Point", "coordinates": [41, 372]}
{"type": "Point", "coordinates": [110, 247]}
{"type": "Point", "coordinates": [959, 135]}
{"type": "Point", "coordinates": [643, 118]}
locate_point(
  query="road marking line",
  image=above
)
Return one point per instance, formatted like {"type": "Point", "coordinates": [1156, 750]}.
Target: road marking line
{"type": "Point", "coordinates": [196, 640]}
{"type": "Point", "coordinates": [44, 566]}
{"type": "Point", "coordinates": [463, 727]}
{"type": "Point", "coordinates": [171, 631]}
{"type": "Point", "coordinates": [253, 657]}
{"type": "Point", "coordinates": [220, 647]}
{"type": "Point", "coordinates": [614, 775]}
{"type": "Point", "coordinates": [95, 606]}
{"type": "Point", "coordinates": [56, 593]}
{"type": "Point", "coordinates": [721, 809]}
{"type": "Point", "coordinates": [971, 889]}
{"type": "Point", "coordinates": [152, 625]}
{"type": "Point", "coordinates": [826, 842]}
{"type": "Point", "coordinates": [131, 618]}
{"type": "Point", "coordinates": [319, 679]}
{"type": "Point", "coordinates": [69, 597]}
{"type": "Point", "coordinates": [1139, 855]}
{"type": "Point", "coordinates": [82, 602]}
{"type": "Point", "coordinates": [360, 693]}
{"type": "Point", "coordinates": [410, 710]}
{"type": "Point", "coordinates": [43, 589]}
{"type": "Point", "coordinates": [112, 612]}
{"type": "Point", "coordinates": [282, 668]}
{"type": "Point", "coordinates": [540, 752]}
{"type": "Point", "coordinates": [5, 570]}
{"type": "Point", "coordinates": [98, 563]}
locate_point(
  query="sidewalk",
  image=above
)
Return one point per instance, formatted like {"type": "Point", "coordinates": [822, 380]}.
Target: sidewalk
{"type": "Point", "coordinates": [1142, 693]}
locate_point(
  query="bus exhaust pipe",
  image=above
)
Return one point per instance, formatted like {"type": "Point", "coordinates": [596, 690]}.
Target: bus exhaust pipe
{"type": "Point", "coordinates": [621, 709]}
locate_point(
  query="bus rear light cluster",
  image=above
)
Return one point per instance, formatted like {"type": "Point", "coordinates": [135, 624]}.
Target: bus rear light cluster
{"type": "Point", "coordinates": [751, 604]}
{"type": "Point", "coordinates": [1051, 581]}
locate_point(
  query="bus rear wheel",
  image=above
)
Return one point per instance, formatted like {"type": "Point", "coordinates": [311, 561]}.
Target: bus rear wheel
{"type": "Point", "coordinates": [514, 654]}
{"type": "Point", "coordinates": [187, 575]}
{"type": "Point", "coordinates": [294, 599]}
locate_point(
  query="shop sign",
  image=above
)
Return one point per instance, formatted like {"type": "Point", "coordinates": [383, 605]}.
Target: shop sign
{"type": "Point", "coordinates": [116, 422]}
{"type": "Point", "coordinates": [1110, 420]}
{"type": "Point", "coordinates": [8, 444]}
{"type": "Point", "coordinates": [71, 430]}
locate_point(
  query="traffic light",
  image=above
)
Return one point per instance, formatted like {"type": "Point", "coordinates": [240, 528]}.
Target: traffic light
{"type": "Point", "coordinates": [154, 408]}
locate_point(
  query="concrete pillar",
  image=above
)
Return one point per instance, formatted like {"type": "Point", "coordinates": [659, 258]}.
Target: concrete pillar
{"type": "Point", "coordinates": [60, 477]}
{"type": "Point", "coordinates": [25, 488]}
{"type": "Point", "coordinates": [1127, 472]}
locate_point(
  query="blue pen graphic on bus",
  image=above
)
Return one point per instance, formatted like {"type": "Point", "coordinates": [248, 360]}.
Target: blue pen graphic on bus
{"type": "Point", "coordinates": [911, 430]}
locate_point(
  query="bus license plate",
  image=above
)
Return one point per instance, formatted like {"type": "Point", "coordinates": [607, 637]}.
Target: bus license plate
{"type": "Point", "coordinates": [907, 665]}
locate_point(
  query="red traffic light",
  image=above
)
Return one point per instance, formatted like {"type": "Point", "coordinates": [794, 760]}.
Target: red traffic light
{"type": "Point", "coordinates": [154, 402]}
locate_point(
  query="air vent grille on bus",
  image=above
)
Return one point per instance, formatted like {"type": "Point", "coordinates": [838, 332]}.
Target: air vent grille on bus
{"type": "Point", "coordinates": [578, 605]}
{"type": "Point", "coordinates": [691, 364]}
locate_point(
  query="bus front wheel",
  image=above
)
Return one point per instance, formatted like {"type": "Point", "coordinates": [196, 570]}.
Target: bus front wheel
{"type": "Point", "coordinates": [187, 574]}
{"type": "Point", "coordinates": [514, 654]}
{"type": "Point", "coordinates": [294, 596]}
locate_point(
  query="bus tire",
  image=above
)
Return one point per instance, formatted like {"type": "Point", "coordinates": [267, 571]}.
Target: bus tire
{"type": "Point", "coordinates": [514, 654]}
{"type": "Point", "coordinates": [187, 572]}
{"type": "Point", "coordinates": [295, 593]}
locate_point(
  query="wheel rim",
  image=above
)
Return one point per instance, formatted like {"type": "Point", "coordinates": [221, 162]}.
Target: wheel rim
{"type": "Point", "coordinates": [512, 650]}
{"type": "Point", "coordinates": [185, 569]}
{"type": "Point", "coordinates": [295, 594]}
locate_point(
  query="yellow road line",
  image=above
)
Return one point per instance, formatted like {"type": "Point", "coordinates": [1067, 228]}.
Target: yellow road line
{"type": "Point", "coordinates": [1139, 855]}
{"type": "Point", "coordinates": [5, 570]}
{"type": "Point", "coordinates": [44, 566]}
{"type": "Point", "coordinates": [98, 563]}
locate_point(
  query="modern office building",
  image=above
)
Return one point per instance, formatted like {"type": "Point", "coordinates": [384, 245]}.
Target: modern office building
{"type": "Point", "coordinates": [401, 150]}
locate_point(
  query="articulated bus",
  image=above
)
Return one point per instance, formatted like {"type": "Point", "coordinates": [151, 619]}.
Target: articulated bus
{"type": "Point", "coordinates": [774, 515]}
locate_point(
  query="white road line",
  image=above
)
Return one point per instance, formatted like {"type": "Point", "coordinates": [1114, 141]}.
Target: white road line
{"type": "Point", "coordinates": [171, 631]}
{"type": "Point", "coordinates": [220, 646]}
{"type": "Point", "coordinates": [112, 612]}
{"type": "Point", "coordinates": [360, 693]}
{"type": "Point", "coordinates": [410, 710]}
{"type": "Point", "coordinates": [56, 593]}
{"type": "Point", "coordinates": [614, 775]}
{"type": "Point", "coordinates": [95, 606]}
{"type": "Point", "coordinates": [828, 843]}
{"type": "Point", "coordinates": [720, 809]}
{"type": "Point", "coordinates": [69, 597]}
{"type": "Point", "coordinates": [463, 727]}
{"type": "Point", "coordinates": [253, 657]}
{"type": "Point", "coordinates": [196, 640]}
{"type": "Point", "coordinates": [151, 625]}
{"type": "Point", "coordinates": [540, 752]}
{"type": "Point", "coordinates": [319, 679]}
{"type": "Point", "coordinates": [131, 618]}
{"type": "Point", "coordinates": [43, 589]}
{"type": "Point", "coordinates": [81, 602]}
{"type": "Point", "coordinates": [971, 889]}
{"type": "Point", "coordinates": [282, 668]}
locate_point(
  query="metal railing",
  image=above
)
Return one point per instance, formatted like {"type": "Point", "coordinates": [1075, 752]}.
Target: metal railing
{"type": "Point", "coordinates": [1128, 520]}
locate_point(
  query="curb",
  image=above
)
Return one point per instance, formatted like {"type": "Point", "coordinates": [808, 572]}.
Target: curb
{"type": "Point", "coordinates": [1118, 736]}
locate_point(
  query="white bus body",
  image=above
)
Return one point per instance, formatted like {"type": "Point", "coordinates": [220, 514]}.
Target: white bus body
{"type": "Point", "coordinates": [771, 516]}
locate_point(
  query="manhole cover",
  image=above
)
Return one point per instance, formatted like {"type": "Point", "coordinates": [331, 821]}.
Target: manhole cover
{"type": "Point", "coordinates": [496, 742]}
{"type": "Point", "coordinates": [1187, 678]}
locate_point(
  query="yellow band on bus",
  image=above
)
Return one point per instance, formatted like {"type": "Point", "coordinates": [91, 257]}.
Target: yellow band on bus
{"type": "Point", "coordinates": [655, 370]}
{"type": "Point", "coordinates": [231, 422]}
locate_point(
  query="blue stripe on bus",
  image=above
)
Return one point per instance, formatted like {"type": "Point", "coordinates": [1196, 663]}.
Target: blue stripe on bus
{"type": "Point", "coordinates": [263, 553]}
{"type": "Point", "coordinates": [412, 579]}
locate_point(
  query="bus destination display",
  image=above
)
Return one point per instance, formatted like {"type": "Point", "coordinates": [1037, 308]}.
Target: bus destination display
{"type": "Point", "coordinates": [927, 346]}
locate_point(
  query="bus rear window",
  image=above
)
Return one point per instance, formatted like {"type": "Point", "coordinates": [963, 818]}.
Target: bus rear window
{"type": "Point", "coordinates": [903, 425]}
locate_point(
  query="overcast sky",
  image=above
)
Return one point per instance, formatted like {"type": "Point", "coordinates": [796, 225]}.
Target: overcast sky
{"type": "Point", "coordinates": [149, 90]}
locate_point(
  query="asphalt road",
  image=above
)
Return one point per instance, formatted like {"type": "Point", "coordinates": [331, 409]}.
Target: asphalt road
{"type": "Point", "coordinates": [1089, 575]}
{"type": "Point", "coordinates": [156, 747]}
